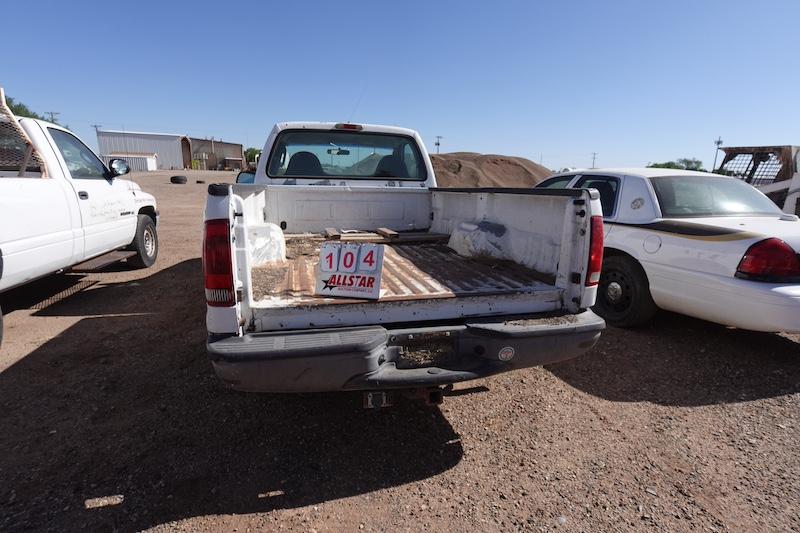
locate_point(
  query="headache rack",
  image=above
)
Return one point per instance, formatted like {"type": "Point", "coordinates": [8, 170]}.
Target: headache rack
{"type": "Point", "coordinates": [772, 169]}
{"type": "Point", "coordinates": [17, 153]}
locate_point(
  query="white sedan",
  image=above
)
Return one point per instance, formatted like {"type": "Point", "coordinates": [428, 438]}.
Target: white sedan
{"type": "Point", "coordinates": [700, 244]}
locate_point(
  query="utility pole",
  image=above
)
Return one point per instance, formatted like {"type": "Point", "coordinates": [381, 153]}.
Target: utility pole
{"type": "Point", "coordinates": [96, 127]}
{"type": "Point", "coordinates": [718, 143]}
{"type": "Point", "coordinates": [53, 115]}
{"type": "Point", "coordinates": [438, 143]}
{"type": "Point", "coordinates": [213, 154]}
{"type": "Point", "coordinates": [594, 157]}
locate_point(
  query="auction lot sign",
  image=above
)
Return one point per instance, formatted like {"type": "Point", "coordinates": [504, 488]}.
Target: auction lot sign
{"type": "Point", "coordinates": [350, 270]}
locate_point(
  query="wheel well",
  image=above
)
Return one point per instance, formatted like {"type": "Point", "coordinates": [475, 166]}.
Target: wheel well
{"type": "Point", "coordinates": [608, 252]}
{"type": "Point", "coordinates": [149, 211]}
{"type": "Point", "coordinates": [615, 252]}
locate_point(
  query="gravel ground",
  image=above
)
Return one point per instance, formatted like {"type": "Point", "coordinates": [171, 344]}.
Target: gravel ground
{"type": "Point", "coordinates": [111, 419]}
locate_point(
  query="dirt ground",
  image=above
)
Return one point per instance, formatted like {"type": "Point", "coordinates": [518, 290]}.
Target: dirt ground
{"type": "Point", "coordinates": [111, 419]}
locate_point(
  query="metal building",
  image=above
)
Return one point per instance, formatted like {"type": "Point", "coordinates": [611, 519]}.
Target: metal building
{"type": "Point", "coordinates": [212, 154]}
{"type": "Point", "coordinates": [167, 147]}
{"type": "Point", "coordinates": [137, 162]}
{"type": "Point", "coordinates": [168, 151]}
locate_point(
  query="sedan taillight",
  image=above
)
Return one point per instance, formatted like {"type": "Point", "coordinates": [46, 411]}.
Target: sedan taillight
{"type": "Point", "coordinates": [770, 260]}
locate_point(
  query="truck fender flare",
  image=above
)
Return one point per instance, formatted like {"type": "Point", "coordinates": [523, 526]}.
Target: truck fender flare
{"type": "Point", "coordinates": [150, 211]}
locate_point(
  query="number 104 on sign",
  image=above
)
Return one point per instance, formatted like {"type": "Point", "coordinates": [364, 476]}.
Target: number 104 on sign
{"type": "Point", "coordinates": [350, 270]}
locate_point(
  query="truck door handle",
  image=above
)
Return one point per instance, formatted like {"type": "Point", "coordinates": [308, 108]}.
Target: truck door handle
{"type": "Point", "coordinates": [83, 195]}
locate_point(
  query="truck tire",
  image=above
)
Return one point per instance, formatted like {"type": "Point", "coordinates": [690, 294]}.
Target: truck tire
{"type": "Point", "coordinates": [178, 179]}
{"type": "Point", "coordinates": [145, 243]}
{"type": "Point", "coordinates": [1, 327]}
{"type": "Point", "coordinates": [623, 295]}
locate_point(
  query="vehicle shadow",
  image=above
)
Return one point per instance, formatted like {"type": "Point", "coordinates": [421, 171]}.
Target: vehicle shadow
{"type": "Point", "coordinates": [43, 292]}
{"type": "Point", "coordinates": [684, 361]}
{"type": "Point", "coordinates": [119, 423]}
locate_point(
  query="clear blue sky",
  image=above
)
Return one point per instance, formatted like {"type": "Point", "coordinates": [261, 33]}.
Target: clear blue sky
{"type": "Point", "coordinates": [635, 81]}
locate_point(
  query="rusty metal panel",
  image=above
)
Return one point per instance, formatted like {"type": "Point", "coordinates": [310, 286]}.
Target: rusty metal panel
{"type": "Point", "coordinates": [410, 272]}
{"type": "Point", "coordinates": [758, 165]}
{"type": "Point", "coordinates": [17, 152]}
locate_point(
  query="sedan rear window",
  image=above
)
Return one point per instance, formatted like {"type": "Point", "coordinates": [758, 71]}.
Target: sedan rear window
{"type": "Point", "coordinates": [704, 196]}
{"type": "Point", "coordinates": [346, 154]}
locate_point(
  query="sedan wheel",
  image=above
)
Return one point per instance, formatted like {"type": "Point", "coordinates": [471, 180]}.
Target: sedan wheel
{"type": "Point", "coordinates": [623, 295]}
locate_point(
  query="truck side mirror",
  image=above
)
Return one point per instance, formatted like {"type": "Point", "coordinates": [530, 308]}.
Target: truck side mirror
{"type": "Point", "coordinates": [118, 167]}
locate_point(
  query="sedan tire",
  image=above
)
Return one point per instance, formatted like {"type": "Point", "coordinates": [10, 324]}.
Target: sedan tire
{"type": "Point", "coordinates": [623, 296]}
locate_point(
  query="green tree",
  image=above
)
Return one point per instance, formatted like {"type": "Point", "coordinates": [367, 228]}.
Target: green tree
{"type": "Point", "coordinates": [21, 110]}
{"type": "Point", "coordinates": [251, 153]}
{"type": "Point", "coordinates": [691, 164]}
{"type": "Point", "coordinates": [684, 163]}
{"type": "Point", "coordinates": [668, 164]}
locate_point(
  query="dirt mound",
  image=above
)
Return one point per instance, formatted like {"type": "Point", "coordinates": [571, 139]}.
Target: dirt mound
{"type": "Point", "coordinates": [468, 169]}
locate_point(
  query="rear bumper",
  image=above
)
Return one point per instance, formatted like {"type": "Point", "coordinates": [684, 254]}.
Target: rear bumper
{"type": "Point", "coordinates": [769, 307]}
{"type": "Point", "coordinates": [374, 357]}
{"type": "Point", "coordinates": [751, 305]}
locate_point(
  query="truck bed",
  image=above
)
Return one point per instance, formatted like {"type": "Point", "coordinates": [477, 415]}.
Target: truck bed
{"type": "Point", "coordinates": [411, 271]}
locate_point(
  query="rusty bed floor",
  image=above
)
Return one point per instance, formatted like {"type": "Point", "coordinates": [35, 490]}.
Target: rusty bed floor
{"type": "Point", "coordinates": [410, 272]}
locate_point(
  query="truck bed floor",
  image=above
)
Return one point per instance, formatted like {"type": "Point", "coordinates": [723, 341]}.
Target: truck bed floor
{"type": "Point", "coordinates": [410, 272]}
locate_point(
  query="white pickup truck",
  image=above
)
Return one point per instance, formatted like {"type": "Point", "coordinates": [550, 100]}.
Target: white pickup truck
{"type": "Point", "coordinates": [60, 205]}
{"type": "Point", "coordinates": [474, 281]}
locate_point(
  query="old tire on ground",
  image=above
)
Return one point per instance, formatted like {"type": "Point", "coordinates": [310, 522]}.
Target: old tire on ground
{"type": "Point", "coordinates": [145, 243]}
{"type": "Point", "coordinates": [178, 179]}
{"type": "Point", "coordinates": [623, 296]}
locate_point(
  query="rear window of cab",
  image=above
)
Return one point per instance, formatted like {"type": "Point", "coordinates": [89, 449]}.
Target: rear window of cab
{"type": "Point", "coordinates": [346, 154]}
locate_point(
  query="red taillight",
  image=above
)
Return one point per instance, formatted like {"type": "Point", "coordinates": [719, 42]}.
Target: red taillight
{"type": "Point", "coordinates": [769, 260]}
{"type": "Point", "coordinates": [217, 265]}
{"type": "Point", "coordinates": [348, 126]}
{"type": "Point", "coordinates": [595, 252]}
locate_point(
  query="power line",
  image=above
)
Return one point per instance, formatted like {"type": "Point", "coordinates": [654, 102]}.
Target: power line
{"type": "Point", "coordinates": [594, 157]}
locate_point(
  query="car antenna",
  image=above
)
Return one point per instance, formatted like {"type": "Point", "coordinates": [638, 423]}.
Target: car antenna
{"type": "Point", "coordinates": [358, 102]}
